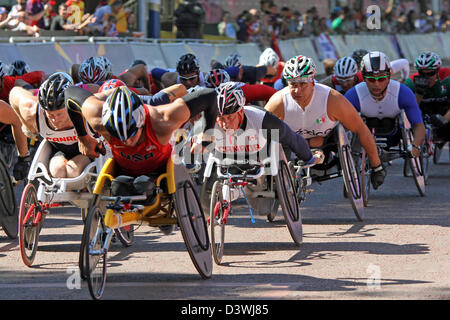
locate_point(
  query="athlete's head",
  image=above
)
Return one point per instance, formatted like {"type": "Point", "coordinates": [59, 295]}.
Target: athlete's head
{"type": "Point", "coordinates": [123, 115]}
{"type": "Point", "coordinates": [233, 60]}
{"type": "Point", "coordinates": [93, 70]}
{"type": "Point", "coordinates": [299, 73]}
{"type": "Point", "coordinates": [428, 65]}
{"type": "Point", "coordinates": [18, 68]}
{"type": "Point", "coordinates": [230, 102]}
{"type": "Point", "coordinates": [345, 71]}
{"type": "Point", "coordinates": [376, 70]}
{"type": "Point", "coordinates": [357, 55]}
{"type": "Point", "coordinates": [111, 84]}
{"type": "Point", "coordinates": [51, 98]}
{"type": "Point", "coordinates": [215, 77]}
{"type": "Point", "coordinates": [269, 58]}
{"type": "Point", "coordinates": [4, 69]}
{"type": "Point", "coordinates": [188, 69]}
{"type": "Point", "coordinates": [107, 65]}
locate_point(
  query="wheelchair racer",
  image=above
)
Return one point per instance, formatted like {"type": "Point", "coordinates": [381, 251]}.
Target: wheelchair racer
{"type": "Point", "coordinates": [45, 115]}
{"type": "Point", "coordinates": [314, 110]}
{"type": "Point", "coordinates": [381, 97]}
{"type": "Point", "coordinates": [346, 75]}
{"type": "Point", "coordinates": [239, 132]}
{"type": "Point", "coordinates": [432, 93]}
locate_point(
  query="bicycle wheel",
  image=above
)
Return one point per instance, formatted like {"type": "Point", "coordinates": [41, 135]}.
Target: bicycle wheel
{"type": "Point", "coordinates": [125, 235]}
{"type": "Point", "coordinates": [8, 206]}
{"type": "Point", "coordinates": [28, 231]}
{"type": "Point", "coordinates": [193, 227]}
{"type": "Point", "coordinates": [95, 252]}
{"type": "Point", "coordinates": [289, 204]}
{"type": "Point", "coordinates": [351, 175]}
{"type": "Point", "coordinates": [365, 177]}
{"type": "Point", "coordinates": [415, 163]}
{"type": "Point", "coordinates": [216, 223]}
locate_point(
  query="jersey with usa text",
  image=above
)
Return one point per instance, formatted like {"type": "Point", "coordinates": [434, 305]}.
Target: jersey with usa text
{"type": "Point", "coordinates": [147, 157]}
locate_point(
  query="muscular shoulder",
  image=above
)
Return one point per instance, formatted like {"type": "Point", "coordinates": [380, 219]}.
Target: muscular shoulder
{"type": "Point", "coordinates": [337, 105]}
{"type": "Point", "coordinates": [275, 104]}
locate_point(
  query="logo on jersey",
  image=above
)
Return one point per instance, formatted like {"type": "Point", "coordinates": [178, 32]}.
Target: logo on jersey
{"type": "Point", "coordinates": [62, 139]}
{"type": "Point", "coordinates": [320, 120]}
{"type": "Point", "coordinates": [136, 157]}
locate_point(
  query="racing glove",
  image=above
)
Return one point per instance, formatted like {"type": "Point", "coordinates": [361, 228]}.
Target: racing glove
{"type": "Point", "coordinates": [20, 170]}
{"type": "Point", "coordinates": [421, 84]}
{"type": "Point", "coordinates": [377, 176]}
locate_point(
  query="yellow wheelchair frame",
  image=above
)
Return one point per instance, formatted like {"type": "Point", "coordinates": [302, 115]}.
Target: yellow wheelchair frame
{"type": "Point", "coordinates": [178, 197]}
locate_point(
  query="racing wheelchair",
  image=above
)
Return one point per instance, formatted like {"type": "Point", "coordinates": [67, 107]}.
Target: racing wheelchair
{"type": "Point", "coordinates": [44, 192]}
{"type": "Point", "coordinates": [172, 201]}
{"type": "Point", "coordinates": [268, 184]}
{"type": "Point", "coordinates": [387, 128]}
{"type": "Point", "coordinates": [338, 153]}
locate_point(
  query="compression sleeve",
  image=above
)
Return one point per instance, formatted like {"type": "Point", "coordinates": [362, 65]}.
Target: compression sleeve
{"type": "Point", "coordinates": [74, 98]}
{"type": "Point", "coordinates": [157, 73]}
{"type": "Point", "coordinates": [407, 101]}
{"type": "Point", "coordinates": [156, 100]}
{"type": "Point", "coordinates": [352, 96]}
{"type": "Point", "coordinates": [203, 100]}
{"type": "Point", "coordinates": [278, 85]}
{"type": "Point", "coordinates": [287, 136]}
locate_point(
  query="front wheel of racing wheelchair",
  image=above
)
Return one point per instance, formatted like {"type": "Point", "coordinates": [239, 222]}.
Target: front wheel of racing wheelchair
{"type": "Point", "coordinates": [177, 196]}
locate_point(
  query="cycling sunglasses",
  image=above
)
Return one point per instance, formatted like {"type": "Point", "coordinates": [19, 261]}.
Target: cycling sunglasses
{"type": "Point", "coordinates": [374, 79]}
{"type": "Point", "coordinates": [428, 73]}
{"type": "Point", "coordinates": [188, 78]}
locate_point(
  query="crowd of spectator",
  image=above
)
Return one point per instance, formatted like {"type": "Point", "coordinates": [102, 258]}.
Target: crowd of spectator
{"type": "Point", "coordinates": [32, 16]}
{"type": "Point", "coordinates": [270, 22]}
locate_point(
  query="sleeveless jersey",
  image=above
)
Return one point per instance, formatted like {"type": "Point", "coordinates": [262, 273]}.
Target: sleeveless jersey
{"type": "Point", "coordinates": [388, 107]}
{"type": "Point", "coordinates": [313, 120]}
{"type": "Point", "coordinates": [248, 139]}
{"type": "Point", "coordinates": [144, 158]}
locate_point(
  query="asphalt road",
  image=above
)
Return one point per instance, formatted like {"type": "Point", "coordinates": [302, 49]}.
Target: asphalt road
{"type": "Point", "coordinates": [400, 251]}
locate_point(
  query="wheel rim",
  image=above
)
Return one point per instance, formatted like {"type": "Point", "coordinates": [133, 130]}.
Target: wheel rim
{"type": "Point", "coordinates": [28, 234]}
{"type": "Point", "coordinates": [195, 214]}
{"type": "Point", "coordinates": [216, 222]}
{"type": "Point", "coordinates": [125, 235]}
{"type": "Point", "coordinates": [365, 178]}
{"type": "Point", "coordinates": [289, 195]}
{"type": "Point", "coordinates": [95, 257]}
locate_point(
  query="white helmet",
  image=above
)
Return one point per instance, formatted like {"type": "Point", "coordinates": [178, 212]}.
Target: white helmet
{"type": "Point", "coordinates": [4, 69]}
{"type": "Point", "coordinates": [375, 62]}
{"type": "Point", "coordinates": [299, 66]}
{"type": "Point", "coordinates": [93, 70]}
{"type": "Point", "coordinates": [107, 63]}
{"type": "Point", "coordinates": [269, 58]}
{"type": "Point", "coordinates": [233, 60]}
{"type": "Point", "coordinates": [345, 67]}
{"type": "Point", "coordinates": [428, 60]}
{"type": "Point", "coordinates": [230, 98]}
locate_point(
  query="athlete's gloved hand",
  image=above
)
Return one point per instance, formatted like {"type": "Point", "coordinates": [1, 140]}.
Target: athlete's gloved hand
{"type": "Point", "coordinates": [20, 170]}
{"type": "Point", "coordinates": [421, 84]}
{"type": "Point", "coordinates": [377, 176]}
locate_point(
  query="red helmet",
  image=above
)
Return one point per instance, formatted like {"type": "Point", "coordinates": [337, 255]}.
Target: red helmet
{"type": "Point", "coordinates": [111, 84]}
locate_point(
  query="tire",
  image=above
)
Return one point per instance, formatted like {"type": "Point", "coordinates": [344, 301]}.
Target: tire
{"type": "Point", "coordinates": [125, 235]}
{"type": "Point", "coordinates": [365, 177]}
{"type": "Point", "coordinates": [193, 227]}
{"type": "Point", "coordinates": [216, 223]}
{"type": "Point", "coordinates": [289, 203]}
{"type": "Point", "coordinates": [8, 207]}
{"type": "Point", "coordinates": [28, 234]}
{"type": "Point", "coordinates": [351, 175]}
{"type": "Point", "coordinates": [95, 237]}
{"type": "Point", "coordinates": [414, 164]}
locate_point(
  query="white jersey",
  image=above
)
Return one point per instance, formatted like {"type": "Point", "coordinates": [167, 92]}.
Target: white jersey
{"type": "Point", "coordinates": [65, 137]}
{"type": "Point", "coordinates": [388, 107]}
{"type": "Point", "coordinates": [248, 140]}
{"type": "Point", "coordinates": [313, 121]}
{"type": "Point", "coordinates": [401, 65]}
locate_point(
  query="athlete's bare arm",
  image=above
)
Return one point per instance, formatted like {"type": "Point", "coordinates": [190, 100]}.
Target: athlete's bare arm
{"type": "Point", "coordinates": [134, 74]}
{"type": "Point", "coordinates": [340, 109]}
{"type": "Point", "coordinates": [275, 105]}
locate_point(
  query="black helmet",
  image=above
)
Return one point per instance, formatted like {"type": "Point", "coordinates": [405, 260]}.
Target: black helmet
{"type": "Point", "coordinates": [358, 54]}
{"type": "Point", "coordinates": [51, 92]}
{"type": "Point", "coordinates": [18, 68]}
{"type": "Point", "coordinates": [138, 61]}
{"type": "Point", "coordinates": [188, 63]}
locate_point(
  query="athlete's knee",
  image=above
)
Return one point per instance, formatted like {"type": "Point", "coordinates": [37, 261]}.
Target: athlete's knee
{"type": "Point", "coordinates": [57, 167]}
{"type": "Point", "coordinates": [76, 165]}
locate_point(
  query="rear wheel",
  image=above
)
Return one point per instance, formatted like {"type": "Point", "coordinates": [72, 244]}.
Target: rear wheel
{"type": "Point", "coordinates": [8, 206]}
{"type": "Point", "coordinates": [351, 175]}
{"type": "Point", "coordinates": [289, 203]}
{"type": "Point", "coordinates": [28, 231]}
{"type": "Point", "coordinates": [415, 164]}
{"type": "Point", "coordinates": [217, 223]}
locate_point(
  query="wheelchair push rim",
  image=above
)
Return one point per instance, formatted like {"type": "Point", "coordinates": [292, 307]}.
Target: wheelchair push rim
{"type": "Point", "coordinates": [95, 252]}
{"type": "Point", "coordinates": [8, 207]}
{"type": "Point", "coordinates": [365, 177]}
{"type": "Point", "coordinates": [216, 223]}
{"type": "Point", "coordinates": [351, 175]}
{"type": "Point", "coordinates": [194, 230]}
{"type": "Point", "coordinates": [415, 164]}
{"type": "Point", "coordinates": [28, 230]}
{"type": "Point", "coordinates": [289, 203]}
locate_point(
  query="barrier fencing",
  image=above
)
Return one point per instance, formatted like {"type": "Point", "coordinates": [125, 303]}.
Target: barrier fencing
{"type": "Point", "coordinates": [58, 54]}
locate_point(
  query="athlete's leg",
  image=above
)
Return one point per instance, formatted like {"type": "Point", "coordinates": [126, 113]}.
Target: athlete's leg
{"type": "Point", "coordinates": [76, 165]}
{"type": "Point", "coordinates": [8, 116]}
{"type": "Point", "coordinates": [57, 166]}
